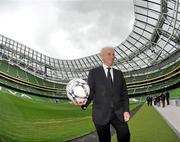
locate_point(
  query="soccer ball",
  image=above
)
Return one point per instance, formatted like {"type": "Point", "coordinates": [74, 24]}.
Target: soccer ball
{"type": "Point", "coordinates": [77, 90]}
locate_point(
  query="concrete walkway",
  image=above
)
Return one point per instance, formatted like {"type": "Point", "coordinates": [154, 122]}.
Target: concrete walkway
{"type": "Point", "coordinates": [171, 113]}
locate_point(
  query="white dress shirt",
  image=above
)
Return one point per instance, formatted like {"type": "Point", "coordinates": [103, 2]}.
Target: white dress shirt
{"type": "Point", "coordinates": [106, 71]}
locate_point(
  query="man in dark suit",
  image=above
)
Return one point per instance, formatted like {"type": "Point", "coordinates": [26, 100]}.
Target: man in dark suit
{"type": "Point", "coordinates": [167, 97]}
{"type": "Point", "coordinates": [110, 99]}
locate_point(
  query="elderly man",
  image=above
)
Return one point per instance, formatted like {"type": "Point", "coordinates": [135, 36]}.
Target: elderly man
{"type": "Point", "coordinates": [110, 99]}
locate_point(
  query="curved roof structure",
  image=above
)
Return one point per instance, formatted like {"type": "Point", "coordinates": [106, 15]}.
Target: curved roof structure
{"type": "Point", "coordinates": [154, 38]}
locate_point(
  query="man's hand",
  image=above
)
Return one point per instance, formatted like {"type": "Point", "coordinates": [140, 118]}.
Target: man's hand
{"type": "Point", "coordinates": [126, 116]}
{"type": "Point", "coordinates": [80, 102]}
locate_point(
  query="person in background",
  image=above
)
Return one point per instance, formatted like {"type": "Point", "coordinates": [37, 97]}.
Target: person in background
{"type": "Point", "coordinates": [167, 97]}
{"type": "Point", "coordinates": [163, 97]}
{"type": "Point", "coordinates": [158, 100]}
{"type": "Point", "coordinates": [147, 99]}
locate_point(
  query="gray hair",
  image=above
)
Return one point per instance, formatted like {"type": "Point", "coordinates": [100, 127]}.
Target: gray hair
{"type": "Point", "coordinates": [104, 48]}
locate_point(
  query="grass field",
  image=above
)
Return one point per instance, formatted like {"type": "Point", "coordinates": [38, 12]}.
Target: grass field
{"type": "Point", "coordinates": [36, 120]}
{"type": "Point", "coordinates": [175, 92]}
{"type": "Point", "coordinates": [26, 120]}
{"type": "Point", "coordinates": [148, 126]}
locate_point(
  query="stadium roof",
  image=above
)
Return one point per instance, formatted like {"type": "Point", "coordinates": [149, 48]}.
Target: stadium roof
{"type": "Point", "coordinates": [154, 38]}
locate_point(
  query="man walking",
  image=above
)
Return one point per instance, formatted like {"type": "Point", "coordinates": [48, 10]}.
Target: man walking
{"type": "Point", "coordinates": [110, 99]}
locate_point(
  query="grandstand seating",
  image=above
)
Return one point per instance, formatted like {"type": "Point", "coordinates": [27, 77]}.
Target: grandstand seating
{"type": "Point", "coordinates": [20, 80]}
{"type": "Point", "coordinates": [154, 82]}
{"type": "Point", "coordinates": [15, 78]}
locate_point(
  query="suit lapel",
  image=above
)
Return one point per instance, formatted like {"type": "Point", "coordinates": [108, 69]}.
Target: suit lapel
{"type": "Point", "coordinates": [103, 74]}
{"type": "Point", "coordinates": [114, 78]}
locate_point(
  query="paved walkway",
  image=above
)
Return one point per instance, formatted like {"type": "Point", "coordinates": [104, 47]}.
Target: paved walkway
{"type": "Point", "coordinates": [171, 113]}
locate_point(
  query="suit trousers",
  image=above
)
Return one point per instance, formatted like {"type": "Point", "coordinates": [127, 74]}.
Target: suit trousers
{"type": "Point", "coordinates": [122, 130]}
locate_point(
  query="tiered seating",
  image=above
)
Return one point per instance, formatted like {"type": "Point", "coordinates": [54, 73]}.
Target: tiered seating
{"type": "Point", "coordinates": [16, 78]}
{"type": "Point", "coordinates": [155, 74]}
{"type": "Point", "coordinates": [20, 80]}
{"type": "Point", "coordinates": [154, 82]}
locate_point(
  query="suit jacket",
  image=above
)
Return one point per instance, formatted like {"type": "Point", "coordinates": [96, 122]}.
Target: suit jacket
{"type": "Point", "coordinates": [107, 100]}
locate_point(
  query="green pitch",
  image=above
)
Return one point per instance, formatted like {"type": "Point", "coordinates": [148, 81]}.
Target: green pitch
{"type": "Point", "coordinates": [39, 120]}
{"type": "Point", "coordinates": [148, 126]}
{"type": "Point", "coordinates": [25, 120]}
{"type": "Point", "coordinates": [36, 120]}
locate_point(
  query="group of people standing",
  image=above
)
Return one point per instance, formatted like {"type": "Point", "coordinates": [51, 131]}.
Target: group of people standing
{"type": "Point", "coordinates": [158, 99]}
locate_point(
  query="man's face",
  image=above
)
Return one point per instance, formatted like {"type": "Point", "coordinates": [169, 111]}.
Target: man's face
{"type": "Point", "coordinates": [108, 56]}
